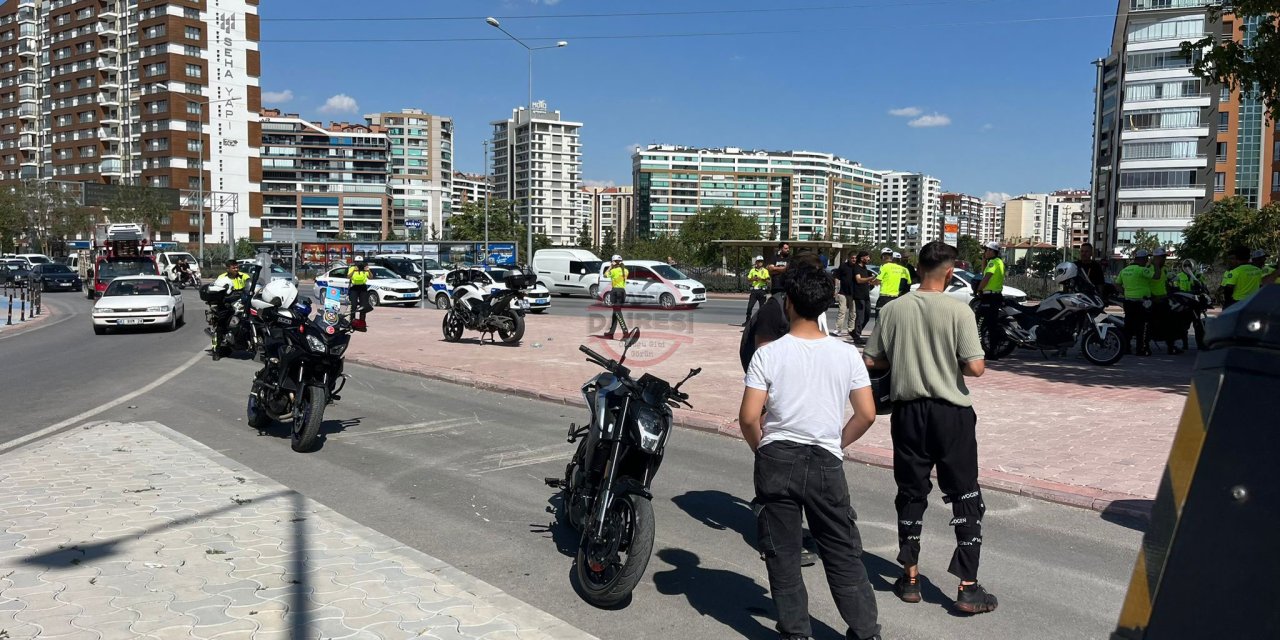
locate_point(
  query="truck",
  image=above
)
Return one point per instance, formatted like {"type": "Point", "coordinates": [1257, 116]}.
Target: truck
{"type": "Point", "coordinates": [120, 250]}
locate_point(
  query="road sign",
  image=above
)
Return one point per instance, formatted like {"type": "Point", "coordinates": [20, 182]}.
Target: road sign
{"type": "Point", "coordinates": [289, 234]}
{"type": "Point", "coordinates": [413, 224]}
{"type": "Point", "coordinates": [951, 230]}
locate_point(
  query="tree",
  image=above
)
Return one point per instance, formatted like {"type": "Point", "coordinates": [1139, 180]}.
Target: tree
{"type": "Point", "coordinates": [1231, 223]}
{"type": "Point", "coordinates": [700, 232]}
{"type": "Point", "coordinates": [435, 233]}
{"type": "Point", "coordinates": [504, 224]}
{"type": "Point", "coordinates": [1044, 261]}
{"type": "Point", "coordinates": [609, 244]}
{"type": "Point", "coordinates": [244, 249]}
{"type": "Point", "coordinates": [584, 238]}
{"type": "Point", "coordinates": [43, 211]}
{"type": "Point", "coordinates": [138, 203]}
{"type": "Point", "coordinates": [1252, 67]}
{"type": "Point", "coordinates": [1144, 240]}
{"type": "Point", "coordinates": [970, 249]}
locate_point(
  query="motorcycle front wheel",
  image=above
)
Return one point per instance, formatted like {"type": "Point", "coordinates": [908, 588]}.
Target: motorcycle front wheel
{"type": "Point", "coordinates": [984, 336]}
{"type": "Point", "coordinates": [307, 418]}
{"type": "Point", "coordinates": [515, 331]}
{"type": "Point", "coordinates": [1103, 352]}
{"type": "Point", "coordinates": [604, 575]}
{"type": "Point", "coordinates": [452, 327]}
{"type": "Point", "coordinates": [256, 416]}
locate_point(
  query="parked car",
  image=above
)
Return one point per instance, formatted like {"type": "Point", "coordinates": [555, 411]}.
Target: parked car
{"type": "Point", "coordinates": [138, 301]}
{"type": "Point", "coordinates": [107, 269]}
{"type": "Point", "coordinates": [15, 272]}
{"type": "Point", "coordinates": [385, 287]}
{"type": "Point", "coordinates": [275, 272]}
{"type": "Point", "coordinates": [409, 265]}
{"type": "Point", "coordinates": [442, 288]}
{"type": "Point", "coordinates": [568, 271]}
{"type": "Point", "coordinates": [34, 259]}
{"type": "Point", "coordinates": [56, 277]}
{"type": "Point", "coordinates": [658, 283]}
{"type": "Point", "coordinates": [960, 288]}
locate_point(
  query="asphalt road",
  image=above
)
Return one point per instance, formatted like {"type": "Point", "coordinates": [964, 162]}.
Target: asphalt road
{"type": "Point", "coordinates": [457, 473]}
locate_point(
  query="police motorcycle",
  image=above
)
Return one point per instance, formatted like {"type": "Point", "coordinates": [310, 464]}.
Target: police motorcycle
{"type": "Point", "coordinates": [605, 491]}
{"type": "Point", "coordinates": [1189, 310]}
{"type": "Point", "coordinates": [302, 363]}
{"type": "Point", "coordinates": [474, 306]}
{"type": "Point", "coordinates": [232, 310]}
{"type": "Point", "coordinates": [1075, 316]}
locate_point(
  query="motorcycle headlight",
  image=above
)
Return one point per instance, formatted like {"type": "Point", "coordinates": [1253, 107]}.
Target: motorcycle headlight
{"type": "Point", "coordinates": [316, 344]}
{"type": "Point", "coordinates": [651, 426]}
{"type": "Point", "coordinates": [160, 309]}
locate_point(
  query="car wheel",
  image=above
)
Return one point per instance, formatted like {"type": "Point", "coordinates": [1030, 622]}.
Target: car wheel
{"type": "Point", "coordinates": [182, 319]}
{"type": "Point", "coordinates": [594, 291]}
{"type": "Point", "coordinates": [102, 331]}
{"type": "Point", "coordinates": [373, 300]}
{"type": "Point", "coordinates": [667, 301]}
{"type": "Point", "coordinates": [442, 301]}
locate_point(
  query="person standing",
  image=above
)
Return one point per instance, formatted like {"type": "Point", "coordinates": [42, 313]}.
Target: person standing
{"type": "Point", "coordinates": [1242, 279]}
{"type": "Point", "coordinates": [358, 286]}
{"type": "Point", "coordinates": [758, 279]}
{"type": "Point", "coordinates": [846, 280]}
{"type": "Point", "coordinates": [1134, 283]}
{"type": "Point", "coordinates": [781, 260]}
{"type": "Point", "coordinates": [617, 274]}
{"type": "Point", "coordinates": [894, 279]}
{"type": "Point", "coordinates": [991, 298]}
{"type": "Point", "coordinates": [1161, 323]}
{"type": "Point", "coordinates": [930, 341]}
{"type": "Point", "coordinates": [792, 417]}
{"type": "Point", "coordinates": [864, 279]}
{"type": "Point", "coordinates": [1091, 268]}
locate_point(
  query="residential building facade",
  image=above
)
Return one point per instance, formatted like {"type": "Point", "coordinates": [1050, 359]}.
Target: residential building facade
{"type": "Point", "coordinates": [470, 187]}
{"type": "Point", "coordinates": [331, 179]}
{"type": "Point", "coordinates": [537, 162]}
{"type": "Point", "coordinates": [1067, 220]}
{"type": "Point", "coordinates": [992, 223]}
{"type": "Point", "coordinates": [1166, 144]}
{"type": "Point", "coordinates": [610, 212]}
{"type": "Point", "coordinates": [1024, 219]}
{"type": "Point", "coordinates": [123, 92]}
{"type": "Point", "coordinates": [420, 168]}
{"type": "Point", "coordinates": [795, 195]}
{"type": "Point", "coordinates": [966, 209]}
{"type": "Point", "coordinates": [909, 210]}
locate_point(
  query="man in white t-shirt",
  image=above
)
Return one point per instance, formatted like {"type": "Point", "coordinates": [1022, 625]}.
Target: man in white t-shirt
{"type": "Point", "coordinates": [804, 379]}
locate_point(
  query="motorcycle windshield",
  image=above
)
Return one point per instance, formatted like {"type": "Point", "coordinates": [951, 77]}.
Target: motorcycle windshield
{"type": "Point", "coordinates": [332, 307]}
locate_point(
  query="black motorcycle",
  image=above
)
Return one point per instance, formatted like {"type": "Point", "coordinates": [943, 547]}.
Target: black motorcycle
{"type": "Point", "coordinates": [1062, 320]}
{"type": "Point", "coordinates": [1188, 310]}
{"type": "Point", "coordinates": [605, 489]}
{"type": "Point", "coordinates": [301, 372]}
{"type": "Point", "coordinates": [187, 279]}
{"type": "Point", "coordinates": [231, 310]}
{"type": "Point", "coordinates": [476, 306]}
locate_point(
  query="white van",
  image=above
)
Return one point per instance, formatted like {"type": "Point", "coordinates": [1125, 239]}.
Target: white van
{"type": "Point", "coordinates": [568, 271]}
{"type": "Point", "coordinates": [168, 260]}
{"type": "Point", "coordinates": [33, 259]}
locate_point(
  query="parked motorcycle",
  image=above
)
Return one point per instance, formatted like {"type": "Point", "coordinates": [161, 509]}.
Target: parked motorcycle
{"type": "Point", "coordinates": [241, 334]}
{"type": "Point", "coordinates": [500, 311]}
{"type": "Point", "coordinates": [301, 372]}
{"type": "Point", "coordinates": [1189, 310]}
{"type": "Point", "coordinates": [1057, 323]}
{"type": "Point", "coordinates": [605, 489]}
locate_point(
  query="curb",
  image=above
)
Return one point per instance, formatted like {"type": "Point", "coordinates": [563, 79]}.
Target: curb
{"type": "Point", "coordinates": [1113, 503]}
{"type": "Point", "coordinates": [31, 322]}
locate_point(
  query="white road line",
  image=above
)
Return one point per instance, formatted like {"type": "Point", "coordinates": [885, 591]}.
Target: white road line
{"type": "Point", "coordinates": [18, 442]}
{"type": "Point", "coordinates": [416, 428]}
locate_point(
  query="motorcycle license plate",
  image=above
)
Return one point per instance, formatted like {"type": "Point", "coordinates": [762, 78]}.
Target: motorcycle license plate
{"type": "Point", "coordinates": [129, 321]}
{"type": "Point", "coordinates": [524, 304]}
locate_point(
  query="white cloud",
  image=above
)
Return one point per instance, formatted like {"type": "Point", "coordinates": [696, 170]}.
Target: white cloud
{"type": "Point", "coordinates": [906, 112]}
{"type": "Point", "coordinates": [988, 126]}
{"type": "Point", "coordinates": [931, 120]}
{"type": "Point", "coordinates": [341, 103]}
{"type": "Point", "coordinates": [599, 184]}
{"type": "Point", "coordinates": [996, 197]}
{"type": "Point", "coordinates": [277, 97]}
{"type": "Point", "coordinates": [549, 3]}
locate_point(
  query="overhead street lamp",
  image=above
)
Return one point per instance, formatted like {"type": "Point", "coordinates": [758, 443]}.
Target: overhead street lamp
{"type": "Point", "coordinates": [200, 170]}
{"type": "Point", "coordinates": [493, 22]}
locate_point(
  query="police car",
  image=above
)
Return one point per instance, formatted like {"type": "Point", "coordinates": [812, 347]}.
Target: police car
{"type": "Point", "coordinates": [385, 287]}
{"type": "Point", "coordinates": [442, 287]}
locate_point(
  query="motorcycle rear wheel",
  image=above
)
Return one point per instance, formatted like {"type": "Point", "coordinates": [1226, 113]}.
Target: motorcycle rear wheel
{"type": "Point", "coordinates": [1103, 352]}
{"type": "Point", "coordinates": [1007, 346]}
{"type": "Point", "coordinates": [516, 332]}
{"type": "Point", "coordinates": [452, 326]}
{"type": "Point", "coordinates": [614, 582]}
{"type": "Point", "coordinates": [307, 418]}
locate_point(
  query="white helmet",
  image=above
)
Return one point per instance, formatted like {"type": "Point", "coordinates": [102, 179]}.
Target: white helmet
{"type": "Point", "coordinates": [282, 289]}
{"type": "Point", "coordinates": [1065, 271]}
{"type": "Point", "coordinates": [224, 283]}
{"type": "Point", "coordinates": [759, 258]}
{"type": "Point", "coordinates": [617, 258]}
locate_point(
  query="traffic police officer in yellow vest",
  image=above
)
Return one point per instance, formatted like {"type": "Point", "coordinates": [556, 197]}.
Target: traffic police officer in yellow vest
{"type": "Point", "coordinates": [617, 275]}
{"type": "Point", "coordinates": [233, 282]}
{"type": "Point", "coordinates": [358, 287]}
{"type": "Point", "coordinates": [758, 280]}
{"type": "Point", "coordinates": [991, 298]}
{"type": "Point", "coordinates": [1242, 280]}
{"type": "Point", "coordinates": [1160, 310]}
{"type": "Point", "coordinates": [895, 280]}
{"type": "Point", "coordinates": [1134, 282]}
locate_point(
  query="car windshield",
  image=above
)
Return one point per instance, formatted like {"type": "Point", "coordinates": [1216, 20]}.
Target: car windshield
{"type": "Point", "coordinates": [117, 267]}
{"type": "Point", "coordinates": [966, 276]}
{"type": "Point", "coordinates": [175, 257]}
{"type": "Point", "coordinates": [499, 275]}
{"type": "Point", "coordinates": [55, 268]}
{"type": "Point", "coordinates": [136, 288]}
{"type": "Point", "coordinates": [382, 273]}
{"type": "Point", "coordinates": [275, 268]}
{"type": "Point", "coordinates": [669, 272]}
{"type": "Point", "coordinates": [15, 264]}
{"type": "Point", "coordinates": [38, 260]}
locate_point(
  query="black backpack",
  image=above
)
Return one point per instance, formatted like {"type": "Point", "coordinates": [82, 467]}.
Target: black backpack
{"type": "Point", "coordinates": [747, 347]}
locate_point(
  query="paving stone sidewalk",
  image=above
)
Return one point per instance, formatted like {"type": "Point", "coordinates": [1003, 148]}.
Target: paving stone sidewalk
{"type": "Point", "coordinates": [1056, 428]}
{"type": "Point", "coordinates": [133, 531]}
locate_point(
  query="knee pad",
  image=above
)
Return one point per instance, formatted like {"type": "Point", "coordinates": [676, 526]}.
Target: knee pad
{"type": "Point", "coordinates": [967, 508]}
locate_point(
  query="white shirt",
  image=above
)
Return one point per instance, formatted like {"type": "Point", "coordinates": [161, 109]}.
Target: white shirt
{"type": "Point", "coordinates": [808, 382]}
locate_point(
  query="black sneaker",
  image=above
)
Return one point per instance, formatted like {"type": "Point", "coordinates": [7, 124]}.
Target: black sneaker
{"type": "Point", "coordinates": [808, 558]}
{"type": "Point", "coordinates": [973, 598]}
{"type": "Point", "coordinates": [907, 588]}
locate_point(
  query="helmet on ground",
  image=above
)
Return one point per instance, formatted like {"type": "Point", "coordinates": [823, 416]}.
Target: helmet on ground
{"type": "Point", "coordinates": [1065, 271]}
{"type": "Point", "coordinates": [281, 290]}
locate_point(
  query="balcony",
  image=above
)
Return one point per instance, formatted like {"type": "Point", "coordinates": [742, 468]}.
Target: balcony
{"type": "Point", "coordinates": [1171, 102]}
{"type": "Point", "coordinates": [1196, 162]}
{"type": "Point", "coordinates": [1160, 133]}
{"type": "Point", "coordinates": [1165, 5]}
{"type": "Point", "coordinates": [1162, 193]}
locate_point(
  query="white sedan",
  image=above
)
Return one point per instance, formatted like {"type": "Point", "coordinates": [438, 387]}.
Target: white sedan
{"type": "Point", "coordinates": [138, 301]}
{"type": "Point", "coordinates": [538, 297]}
{"type": "Point", "coordinates": [385, 287]}
{"type": "Point", "coordinates": [960, 288]}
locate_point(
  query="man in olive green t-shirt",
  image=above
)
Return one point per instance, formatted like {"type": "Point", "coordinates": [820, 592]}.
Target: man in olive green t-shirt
{"type": "Point", "coordinates": [930, 342]}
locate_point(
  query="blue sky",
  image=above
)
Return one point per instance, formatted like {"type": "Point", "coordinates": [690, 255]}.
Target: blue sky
{"type": "Point", "coordinates": [1005, 84]}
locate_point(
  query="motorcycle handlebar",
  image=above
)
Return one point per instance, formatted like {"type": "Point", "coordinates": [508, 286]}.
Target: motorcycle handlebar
{"type": "Point", "coordinates": [592, 356]}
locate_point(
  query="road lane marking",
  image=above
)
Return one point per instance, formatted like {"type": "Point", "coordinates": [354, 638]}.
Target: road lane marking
{"type": "Point", "coordinates": [523, 458]}
{"type": "Point", "coordinates": [18, 442]}
{"type": "Point", "coordinates": [416, 428]}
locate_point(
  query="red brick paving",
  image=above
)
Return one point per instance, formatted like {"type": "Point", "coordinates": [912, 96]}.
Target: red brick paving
{"type": "Point", "coordinates": [1058, 428]}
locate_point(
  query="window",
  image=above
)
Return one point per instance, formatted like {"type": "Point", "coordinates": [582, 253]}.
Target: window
{"type": "Point", "coordinates": [1219, 182]}
{"type": "Point", "coordinates": [154, 69]}
{"type": "Point", "coordinates": [194, 71]}
{"type": "Point", "coordinates": [1275, 181]}
{"type": "Point", "coordinates": [1162, 119]}
{"type": "Point", "coordinates": [156, 31]}
{"type": "Point", "coordinates": [192, 33]}
{"type": "Point", "coordinates": [1222, 152]}
{"type": "Point", "coordinates": [1225, 95]}
{"type": "Point", "coordinates": [159, 106]}
{"type": "Point", "coordinates": [1158, 179]}
{"type": "Point", "coordinates": [1275, 152]}
{"type": "Point", "coordinates": [193, 145]}
{"type": "Point", "coordinates": [194, 108]}
{"type": "Point", "coordinates": [1224, 120]}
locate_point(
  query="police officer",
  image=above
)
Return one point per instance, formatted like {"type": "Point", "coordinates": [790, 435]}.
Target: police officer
{"type": "Point", "coordinates": [1259, 259]}
{"type": "Point", "coordinates": [991, 298]}
{"type": "Point", "coordinates": [894, 278]}
{"type": "Point", "coordinates": [1242, 279]}
{"type": "Point", "coordinates": [1186, 281]}
{"type": "Point", "coordinates": [1160, 312]}
{"type": "Point", "coordinates": [358, 287]}
{"type": "Point", "coordinates": [233, 282]}
{"type": "Point", "coordinates": [758, 279]}
{"type": "Point", "coordinates": [1135, 286]}
{"type": "Point", "coordinates": [617, 275]}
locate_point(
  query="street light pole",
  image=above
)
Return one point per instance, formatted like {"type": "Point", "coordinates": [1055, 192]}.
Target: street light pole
{"type": "Point", "coordinates": [486, 204]}
{"type": "Point", "coordinates": [493, 22]}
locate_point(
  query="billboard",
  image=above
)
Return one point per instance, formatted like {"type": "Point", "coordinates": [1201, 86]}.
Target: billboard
{"type": "Point", "coordinates": [951, 230]}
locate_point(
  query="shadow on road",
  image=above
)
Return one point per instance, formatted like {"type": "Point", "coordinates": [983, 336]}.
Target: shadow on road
{"type": "Point", "coordinates": [1131, 514]}
{"type": "Point", "coordinates": [1166, 374]}
{"type": "Point", "coordinates": [284, 430]}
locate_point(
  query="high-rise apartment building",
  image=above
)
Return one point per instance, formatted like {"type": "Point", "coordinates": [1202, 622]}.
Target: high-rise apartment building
{"type": "Point", "coordinates": [966, 209]}
{"type": "Point", "coordinates": [537, 158]}
{"type": "Point", "coordinates": [1067, 218]}
{"type": "Point", "coordinates": [795, 195]}
{"type": "Point", "coordinates": [992, 229]}
{"type": "Point", "coordinates": [609, 210]}
{"type": "Point", "coordinates": [134, 92]}
{"type": "Point", "coordinates": [908, 210]}
{"type": "Point", "coordinates": [420, 169]}
{"type": "Point", "coordinates": [1025, 220]}
{"type": "Point", "coordinates": [1167, 144]}
{"type": "Point", "coordinates": [333, 180]}
{"type": "Point", "coordinates": [469, 187]}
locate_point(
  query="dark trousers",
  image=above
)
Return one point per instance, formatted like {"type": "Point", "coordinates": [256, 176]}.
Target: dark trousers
{"type": "Point", "coordinates": [794, 482]}
{"type": "Point", "coordinates": [882, 301]}
{"type": "Point", "coordinates": [758, 296]}
{"type": "Point", "coordinates": [358, 298]}
{"type": "Point", "coordinates": [1160, 321]}
{"type": "Point", "coordinates": [617, 297]}
{"type": "Point", "coordinates": [989, 307]}
{"type": "Point", "coordinates": [931, 433]}
{"type": "Point", "coordinates": [1137, 325]}
{"type": "Point", "coordinates": [862, 313]}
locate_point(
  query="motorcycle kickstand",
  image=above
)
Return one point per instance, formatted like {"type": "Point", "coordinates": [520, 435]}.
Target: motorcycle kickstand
{"type": "Point", "coordinates": [555, 483]}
